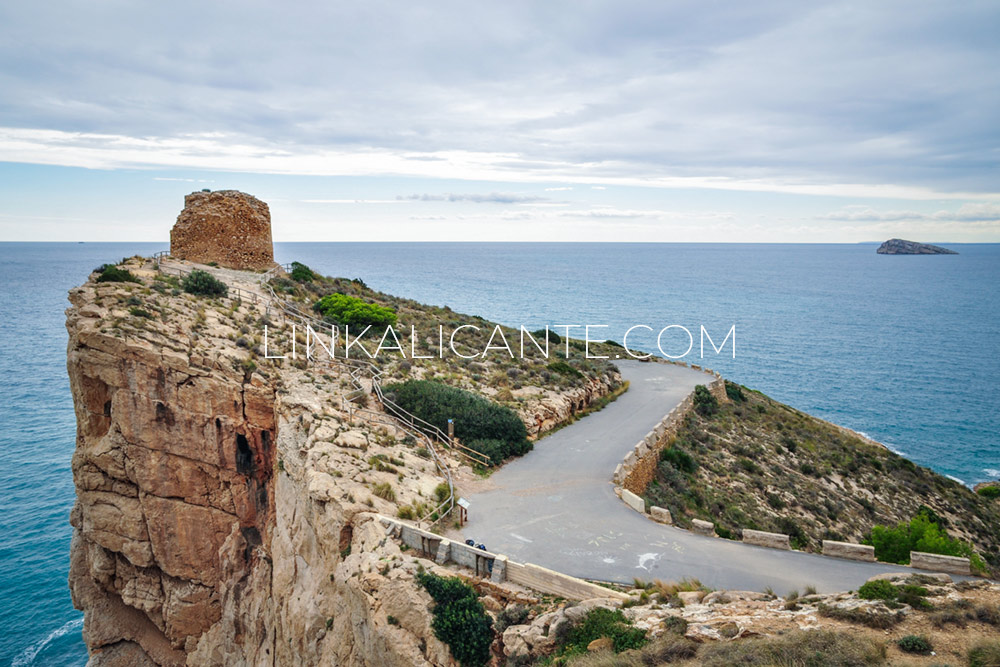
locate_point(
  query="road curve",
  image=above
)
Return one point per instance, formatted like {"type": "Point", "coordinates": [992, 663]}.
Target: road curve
{"type": "Point", "coordinates": [556, 507]}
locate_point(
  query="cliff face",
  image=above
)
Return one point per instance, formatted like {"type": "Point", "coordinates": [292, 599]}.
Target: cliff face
{"type": "Point", "coordinates": [192, 543]}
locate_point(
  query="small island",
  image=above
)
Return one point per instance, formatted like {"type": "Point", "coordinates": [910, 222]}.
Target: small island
{"type": "Point", "coordinates": [903, 247]}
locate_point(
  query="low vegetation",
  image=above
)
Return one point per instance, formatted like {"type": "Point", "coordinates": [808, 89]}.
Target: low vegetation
{"type": "Point", "coordinates": [203, 283]}
{"type": "Point", "coordinates": [921, 533]}
{"type": "Point", "coordinates": [354, 312]}
{"type": "Point", "coordinates": [112, 274]}
{"type": "Point", "coordinates": [752, 462]}
{"type": "Point", "coordinates": [460, 621]}
{"type": "Point", "coordinates": [816, 647]}
{"type": "Point", "coordinates": [483, 425]}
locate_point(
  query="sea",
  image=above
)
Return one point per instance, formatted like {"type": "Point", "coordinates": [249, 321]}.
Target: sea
{"type": "Point", "coordinates": [905, 349]}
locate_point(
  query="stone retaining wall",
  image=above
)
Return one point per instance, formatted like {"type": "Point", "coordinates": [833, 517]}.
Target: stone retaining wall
{"type": "Point", "coordinates": [638, 468]}
{"type": "Point", "coordinates": [495, 567]}
{"type": "Point", "coordinates": [850, 551]}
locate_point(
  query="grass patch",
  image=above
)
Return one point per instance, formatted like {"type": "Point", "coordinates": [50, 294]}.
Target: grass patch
{"type": "Point", "coordinates": [816, 647]}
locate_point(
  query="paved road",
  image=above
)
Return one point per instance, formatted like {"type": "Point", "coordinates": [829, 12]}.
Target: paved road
{"type": "Point", "coordinates": [556, 507]}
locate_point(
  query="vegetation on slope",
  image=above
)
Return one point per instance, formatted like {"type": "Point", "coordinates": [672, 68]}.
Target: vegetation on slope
{"type": "Point", "coordinates": [755, 463]}
{"type": "Point", "coordinates": [481, 424]}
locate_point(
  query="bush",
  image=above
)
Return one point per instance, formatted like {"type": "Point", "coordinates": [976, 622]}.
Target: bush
{"type": "Point", "coordinates": [704, 403]}
{"type": "Point", "coordinates": [385, 491]}
{"type": "Point", "coordinates": [679, 459]}
{"type": "Point", "coordinates": [302, 273]}
{"type": "Point", "coordinates": [459, 619]}
{"type": "Point", "coordinates": [203, 283]}
{"type": "Point", "coordinates": [493, 429]}
{"type": "Point", "coordinates": [513, 615]}
{"type": "Point", "coordinates": [112, 274]}
{"type": "Point", "coordinates": [921, 533]}
{"type": "Point", "coordinates": [879, 589]}
{"type": "Point", "coordinates": [991, 492]}
{"type": "Point", "coordinates": [985, 654]}
{"type": "Point", "coordinates": [830, 648]}
{"type": "Point", "coordinates": [140, 312]}
{"type": "Point", "coordinates": [600, 622]}
{"type": "Point", "coordinates": [915, 644]}
{"type": "Point", "coordinates": [735, 392]}
{"type": "Point", "coordinates": [553, 337]}
{"type": "Point", "coordinates": [563, 368]}
{"type": "Point", "coordinates": [354, 312]}
{"type": "Point", "coordinates": [442, 491]}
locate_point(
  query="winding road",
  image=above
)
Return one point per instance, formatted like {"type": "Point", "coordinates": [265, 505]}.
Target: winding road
{"type": "Point", "coordinates": [556, 507]}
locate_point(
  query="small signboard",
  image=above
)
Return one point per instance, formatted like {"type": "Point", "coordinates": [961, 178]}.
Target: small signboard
{"type": "Point", "coordinates": [463, 503]}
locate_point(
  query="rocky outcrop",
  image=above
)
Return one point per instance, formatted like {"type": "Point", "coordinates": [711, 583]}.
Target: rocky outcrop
{"type": "Point", "coordinates": [228, 227]}
{"type": "Point", "coordinates": [548, 409]}
{"type": "Point", "coordinates": [901, 247]}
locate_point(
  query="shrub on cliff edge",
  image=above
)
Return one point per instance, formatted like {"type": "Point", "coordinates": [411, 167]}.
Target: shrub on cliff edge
{"type": "Point", "coordinates": [112, 274]}
{"type": "Point", "coordinates": [704, 403]}
{"type": "Point", "coordinates": [460, 620]}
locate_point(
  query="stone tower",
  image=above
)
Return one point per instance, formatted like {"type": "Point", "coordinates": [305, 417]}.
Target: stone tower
{"type": "Point", "coordinates": [228, 227]}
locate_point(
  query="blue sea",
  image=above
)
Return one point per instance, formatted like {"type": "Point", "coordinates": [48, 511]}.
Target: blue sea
{"type": "Point", "coordinates": [904, 349]}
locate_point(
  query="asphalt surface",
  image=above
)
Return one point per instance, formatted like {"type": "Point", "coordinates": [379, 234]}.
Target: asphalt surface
{"type": "Point", "coordinates": [556, 507]}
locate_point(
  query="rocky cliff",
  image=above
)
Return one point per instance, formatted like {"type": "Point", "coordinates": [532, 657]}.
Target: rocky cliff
{"type": "Point", "coordinates": [226, 502]}
{"type": "Point", "coordinates": [902, 247]}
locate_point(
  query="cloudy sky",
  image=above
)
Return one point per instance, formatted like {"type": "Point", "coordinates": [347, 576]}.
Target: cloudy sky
{"type": "Point", "coordinates": [515, 120]}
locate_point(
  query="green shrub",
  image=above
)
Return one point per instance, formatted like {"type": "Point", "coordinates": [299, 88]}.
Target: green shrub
{"type": "Point", "coordinates": [991, 492]}
{"type": "Point", "coordinates": [483, 425]}
{"type": "Point", "coordinates": [914, 596]}
{"type": "Point", "coordinates": [354, 312]}
{"type": "Point", "coordinates": [704, 403]}
{"type": "Point", "coordinates": [459, 619]}
{"type": "Point", "coordinates": [915, 644]}
{"type": "Point", "coordinates": [563, 368]}
{"type": "Point", "coordinates": [203, 283]}
{"type": "Point", "coordinates": [385, 491]}
{"type": "Point", "coordinates": [553, 337]}
{"type": "Point", "coordinates": [921, 533]}
{"type": "Point", "coordinates": [112, 274]}
{"type": "Point", "coordinates": [985, 654]}
{"type": "Point", "coordinates": [679, 459]}
{"type": "Point", "coordinates": [600, 622]}
{"type": "Point", "coordinates": [442, 491]}
{"type": "Point", "coordinates": [302, 273]}
{"type": "Point", "coordinates": [879, 589]}
{"type": "Point", "coordinates": [735, 392]}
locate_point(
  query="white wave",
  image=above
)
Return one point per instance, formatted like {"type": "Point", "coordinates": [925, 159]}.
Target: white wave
{"type": "Point", "coordinates": [27, 656]}
{"type": "Point", "coordinates": [956, 479]}
{"type": "Point", "coordinates": [992, 472]}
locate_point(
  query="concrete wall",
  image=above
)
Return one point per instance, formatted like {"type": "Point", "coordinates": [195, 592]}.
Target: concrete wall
{"type": "Point", "coordinates": [765, 539]}
{"type": "Point", "coordinates": [443, 550]}
{"type": "Point", "coordinates": [938, 563]}
{"type": "Point", "coordinates": [701, 527]}
{"type": "Point", "coordinates": [849, 551]}
{"type": "Point", "coordinates": [557, 583]}
{"type": "Point", "coordinates": [634, 501]}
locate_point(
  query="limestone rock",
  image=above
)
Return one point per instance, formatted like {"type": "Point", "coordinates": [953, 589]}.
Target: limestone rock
{"type": "Point", "coordinates": [226, 226]}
